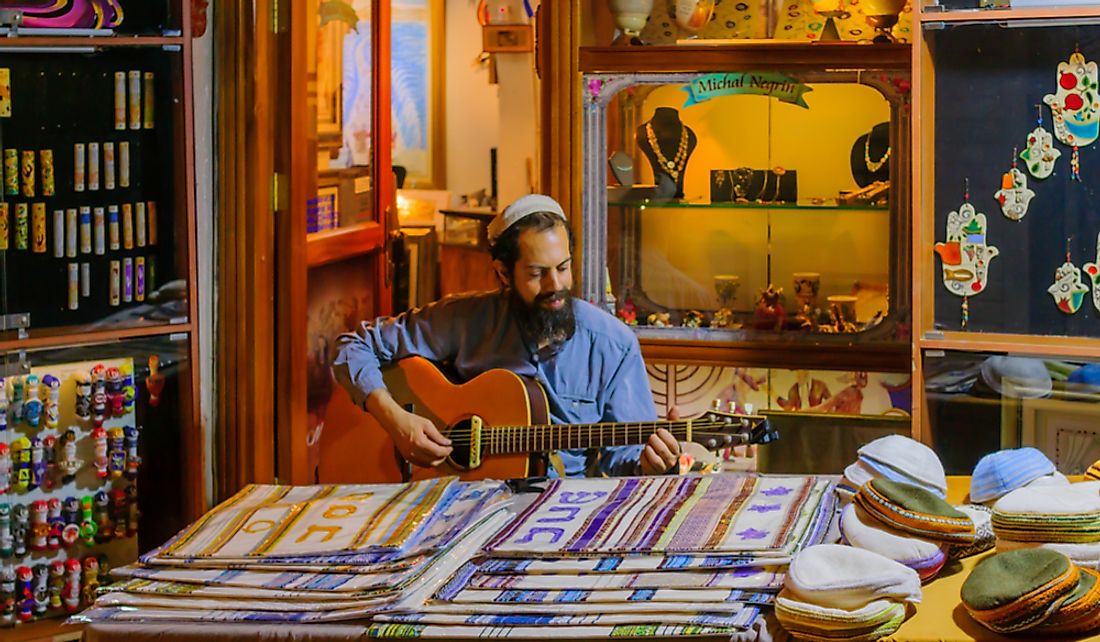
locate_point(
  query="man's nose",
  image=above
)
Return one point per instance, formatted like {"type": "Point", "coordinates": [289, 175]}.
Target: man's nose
{"type": "Point", "coordinates": [551, 282]}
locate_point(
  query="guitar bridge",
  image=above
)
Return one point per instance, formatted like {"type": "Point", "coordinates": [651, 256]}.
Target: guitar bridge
{"type": "Point", "coordinates": [475, 441]}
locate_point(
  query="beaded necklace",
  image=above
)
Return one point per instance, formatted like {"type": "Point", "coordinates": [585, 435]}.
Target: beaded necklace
{"type": "Point", "coordinates": [676, 165]}
{"type": "Point", "coordinates": [875, 165]}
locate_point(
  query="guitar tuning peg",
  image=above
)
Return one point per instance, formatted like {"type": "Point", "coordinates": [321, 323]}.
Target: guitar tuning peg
{"type": "Point", "coordinates": [748, 409]}
{"type": "Point", "coordinates": [711, 444]}
{"type": "Point", "coordinates": [733, 407]}
{"type": "Point", "coordinates": [727, 439]}
{"type": "Point", "coordinates": [716, 404]}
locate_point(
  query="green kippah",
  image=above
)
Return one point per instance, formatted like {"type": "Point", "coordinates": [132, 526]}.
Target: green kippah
{"type": "Point", "coordinates": [1085, 582]}
{"type": "Point", "coordinates": [1005, 577]}
{"type": "Point", "coordinates": [915, 498]}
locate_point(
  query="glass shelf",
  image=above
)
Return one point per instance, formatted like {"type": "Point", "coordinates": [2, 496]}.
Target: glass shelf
{"type": "Point", "coordinates": [805, 205]}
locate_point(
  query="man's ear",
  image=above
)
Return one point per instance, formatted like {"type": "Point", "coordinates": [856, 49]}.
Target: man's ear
{"type": "Point", "coordinates": [502, 272]}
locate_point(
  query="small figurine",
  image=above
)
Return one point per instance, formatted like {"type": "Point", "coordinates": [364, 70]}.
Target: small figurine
{"type": "Point", "coordinates": [132, 510]}
{"type": "Point", "coordinates": [692, 319]}
{"type": "Point", "coordinates": [21, 525]}
{"type": "Point", "coordinates": [116, 453]}
{"type": "Point", "coordinates": [53, 400]}
{"type": "Point", "coordinates": [3, 405]}
{"type": "Point", "coordinates": [83, 406]}
{"type": "Point", "coordinates": [119, 512]}
{"type": "Point", "coordinates": [154, 383]}
{"type": "Point", "coordinates": [723, 318]}
{"type": "Point", "coordinates": [53, 518]}
{"type": "Point", "coordinates": [67, 461]}
{"type": "Point", "coordinates": [49, 456]}
{"type": "Point", "coordinates": [133, 460]}
{"type": "Point", "coordinates": [5, 531]}
{"type": "Point", "coordinates": [114, 391]}
{"type": "Point", "coordinates": [70, 594]}
{"type": "Point", "coordinates": [7, 594]}
{"type": "Point", "coordinates": [99, 436]}
{"type": "Point", "coordinates": [41, 574]}
{"type": "Point", "coordinates": [659, 320]}
{"type": "Point", "coordinates": [15, 408]}
{"type": "Point", "coordinates": [21, 462]}
{"type": "Point", "coordinates": [39, 528]}
{"type": "Point", "coordinates": [99, 395]}
{"type": "Point", "coordinates": [38, 463]}
{"type": "Point", "coordinates": [627, 313]}
{"type": "Point", "coordinates": [57, 583]}
{"type": "Point", "coordinates": [70, 532]}
{"type": "Point", "coordinates": [32, 407]}
{"type": "Point", "coordinates": [104, 526]}
{"type": "Point", "coordinates": [91, 579]}
{"type": "Point", "coordinates": [5, 468]}
{"type": "Point", "coordinates": [769, 313]}
{"type": "Point", "coordinates": [24, 593]}
{"type": "Point", "coordinates": [88, 526]}
{"type": "Point", "coordinates": [129, 392]}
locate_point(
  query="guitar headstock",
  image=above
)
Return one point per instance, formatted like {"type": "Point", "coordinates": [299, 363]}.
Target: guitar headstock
{"type": "Point", "coordinates": [716, 428]}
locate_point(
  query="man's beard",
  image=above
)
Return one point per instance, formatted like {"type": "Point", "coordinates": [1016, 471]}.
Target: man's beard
{"type": "Point", "coordinates": [542, 325]}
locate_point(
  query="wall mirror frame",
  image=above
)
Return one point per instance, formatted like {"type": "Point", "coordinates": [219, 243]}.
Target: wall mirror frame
{"type": "Point", "coordinates": [599, 91]}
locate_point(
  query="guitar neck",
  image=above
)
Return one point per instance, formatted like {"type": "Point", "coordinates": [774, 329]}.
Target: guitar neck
{"type": "Point", "coordinates": [501, 440]}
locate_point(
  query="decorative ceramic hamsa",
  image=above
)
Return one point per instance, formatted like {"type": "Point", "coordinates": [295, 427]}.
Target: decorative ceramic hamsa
{"type": "Point", "coordinates": [1093, 270]}
{"type": "Point", "coordinates": [1014, 194]}
{"type": "Point", "coordinates": [1076, 104]}
{"type": "Point", "coordinates": [966, 255]}
{"type": "Point", "coordinates": [1067, 290]}
{"type": "Point", "coordinates": [1040, 153]}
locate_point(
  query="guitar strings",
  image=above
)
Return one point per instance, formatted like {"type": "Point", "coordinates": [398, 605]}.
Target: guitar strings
{"type": "Point", "coordinates": [499, 434]}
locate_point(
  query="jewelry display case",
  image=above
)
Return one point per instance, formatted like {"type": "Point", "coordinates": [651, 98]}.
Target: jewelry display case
{"type": "Point", "coordinates": [101, 447]}
{"type": "Point", "coordinates": [1006, 302]}
{"type": "Point", "coordinates": [753, 208]}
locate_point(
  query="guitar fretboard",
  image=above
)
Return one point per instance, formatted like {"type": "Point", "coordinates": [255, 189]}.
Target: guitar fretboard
{"type": "Point", "coordinates": [499, 440]}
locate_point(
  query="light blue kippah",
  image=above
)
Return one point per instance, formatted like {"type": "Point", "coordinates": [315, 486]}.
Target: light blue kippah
{"type": "Point", "coordinates": [1004, 471]}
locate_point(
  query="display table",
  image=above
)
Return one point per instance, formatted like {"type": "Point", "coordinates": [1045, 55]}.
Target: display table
{"type": "Point", "coordinates": [940, 617]}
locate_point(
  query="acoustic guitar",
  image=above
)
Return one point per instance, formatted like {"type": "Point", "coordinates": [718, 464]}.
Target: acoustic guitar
{"type": "Point", "coordinates": [497, 419]}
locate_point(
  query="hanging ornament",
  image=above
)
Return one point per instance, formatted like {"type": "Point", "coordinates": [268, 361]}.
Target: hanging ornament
{"type": "Point", "coordinates": [1093, 270]}
{"type": "Point", "coordinates": [1068, 290]}
{"type": "Point", "coordinates": [1040, 153]}
{"type": "Point", "coordinates": [965, 254]}
{"type": "Point", "coordinates": [1075, 107]}
{"type": "Point", "coordinates": [1014, 194]}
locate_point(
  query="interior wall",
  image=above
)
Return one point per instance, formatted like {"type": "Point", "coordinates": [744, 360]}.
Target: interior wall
{"type": "Point", "coordinates": [472, 107]}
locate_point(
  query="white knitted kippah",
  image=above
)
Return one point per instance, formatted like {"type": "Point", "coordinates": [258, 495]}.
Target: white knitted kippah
{"type": "Point", "coordinates": [522, 207]}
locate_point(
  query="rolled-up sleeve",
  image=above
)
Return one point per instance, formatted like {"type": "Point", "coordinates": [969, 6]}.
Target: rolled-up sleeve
{"type": "Point", "coordinates": [426, 332]}
{"type": "Point", "coordinates": [629, 398]}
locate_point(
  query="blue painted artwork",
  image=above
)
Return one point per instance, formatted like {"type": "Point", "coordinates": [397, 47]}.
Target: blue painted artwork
{"type": "Point", "coordinates": [410, 74]}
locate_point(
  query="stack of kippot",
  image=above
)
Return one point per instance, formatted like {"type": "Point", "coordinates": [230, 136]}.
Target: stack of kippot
{"type": "Point", "coordinates": [834, 592]}
{"type": "Point", "coordinates": [862, 530]}
{"type": "Point", "coordinates": [896, 458]}
{"type": "Point", "coordinates": [915, 511]}
{"type": "Point", "coordinates": [1035, 589]}
{"type": "Point", "coordinates": [1094, 470]}
{"type": "Point", "coordinates": [1002, 472]}
{"type": "Point", "coordinates": [982, 516]}
{"type": "Point", "coordinates": [1065, 519]}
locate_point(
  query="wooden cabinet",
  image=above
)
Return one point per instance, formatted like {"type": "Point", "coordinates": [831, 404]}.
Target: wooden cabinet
{"type": "Point", "coordinates": [99, 293]}
{"type": "Point", "coordinates": [464, 261]}
{"type": "Point", "coordinates": [1006, 307]}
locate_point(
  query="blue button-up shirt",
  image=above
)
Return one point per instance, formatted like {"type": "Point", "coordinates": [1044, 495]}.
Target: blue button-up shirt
{"type": "Point", "coordinates": [597, 375]}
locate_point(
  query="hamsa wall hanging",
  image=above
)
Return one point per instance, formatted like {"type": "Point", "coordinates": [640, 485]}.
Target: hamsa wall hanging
{"type": "Point", "coordinates": [1093, 271]}
{"type": "Point", "coordinates": [1075, 107]}
{"type": "Point", "coordinates": [1014, 195]}
{"type": "Point", "coordinates": [1067, 290]}
{"type": "Point", "coordinates": [1040, 155]}
{"type": "Point", "coordinates": [966, 255]}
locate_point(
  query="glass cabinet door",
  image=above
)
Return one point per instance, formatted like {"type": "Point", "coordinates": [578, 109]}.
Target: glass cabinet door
{"type": "Point", "coordinates": [93, 224]}
{"type": "Point", "coordinates": [748, 205]}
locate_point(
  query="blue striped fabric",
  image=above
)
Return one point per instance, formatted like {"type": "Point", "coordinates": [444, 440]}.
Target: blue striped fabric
{"type": "Point", "coordinates": [1004, 471]}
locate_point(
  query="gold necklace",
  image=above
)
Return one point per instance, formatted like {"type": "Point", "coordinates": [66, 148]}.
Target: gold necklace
{"type": "Point", "coordinates": [873, 166]}
{"type": "Point", "coordinates": [676, 165]}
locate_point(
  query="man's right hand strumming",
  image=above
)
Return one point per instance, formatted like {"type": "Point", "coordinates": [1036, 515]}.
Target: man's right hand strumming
{"type": "Point", "coordinates": [416, 438]}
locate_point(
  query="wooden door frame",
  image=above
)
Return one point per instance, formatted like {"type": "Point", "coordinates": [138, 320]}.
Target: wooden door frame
{"type": "Point", "coordinates": [246, 81]}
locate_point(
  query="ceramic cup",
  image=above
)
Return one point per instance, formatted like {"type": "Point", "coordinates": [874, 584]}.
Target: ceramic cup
{"type": "Point", "coordinates": [726, 285]}
{"type": "Point", "coordinates": [806, 287]}
{"type": "Point", "coordinates": [847, 305]}
{"type": "Point", "coordinates": [630, 15]}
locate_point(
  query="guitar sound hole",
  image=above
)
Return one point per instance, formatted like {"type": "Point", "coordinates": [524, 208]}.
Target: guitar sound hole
{"type": "Point", "coordinates": [459, 435]}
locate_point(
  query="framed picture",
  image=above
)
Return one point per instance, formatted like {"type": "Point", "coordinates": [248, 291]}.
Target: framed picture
{"type": "Point", "coordinates": [330, 65]}
{"type": "Point", "coordinates": [416, 84]}
{"type": "Point", "coordinates": [1065, 426]}
{"type": "Point", "coordinates": [506, 38]}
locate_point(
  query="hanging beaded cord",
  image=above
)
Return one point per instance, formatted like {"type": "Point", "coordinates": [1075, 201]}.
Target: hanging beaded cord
{"type": "Point", "coordinates": [873, 166]}
{"type": "Point", "coordinates": [966, 298]}
{"type": "Point", "coordinates": [676, 165]}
